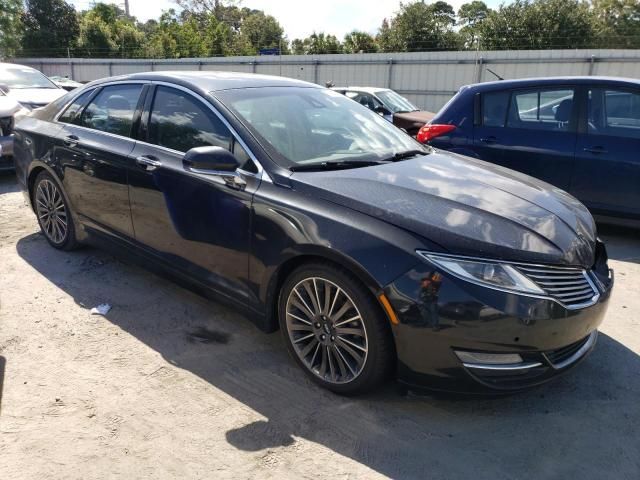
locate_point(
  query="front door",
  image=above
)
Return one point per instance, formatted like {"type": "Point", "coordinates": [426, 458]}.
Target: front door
{"type": "Point", "coordinates": [607, 174]}
{"type": "Point", "coordinates": [93, 149]}
{"type": "Point", "coordinates": [195, 221]}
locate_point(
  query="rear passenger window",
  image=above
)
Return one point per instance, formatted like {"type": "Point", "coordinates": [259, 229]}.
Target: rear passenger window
{"type": "Point", "coordinates": [614, 113]}
{"type": "Point", "coordinates": [180, 122]}
{"type": "Point", "coordinates": [494, 108]}
{"type": "Point", "coordinates": [541, 110]}
{"type": "Point", "coordinates": [112, 109]}
{"type": "Point", "coordinates": [72, 112]}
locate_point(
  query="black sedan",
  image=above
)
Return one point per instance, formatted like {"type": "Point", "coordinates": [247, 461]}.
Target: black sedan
{"type": "Point", "coordinates": [374, 255]}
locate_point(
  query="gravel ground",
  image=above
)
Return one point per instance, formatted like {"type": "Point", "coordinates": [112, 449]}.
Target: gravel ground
{"type": "Point", "coordinates": [170, 385]}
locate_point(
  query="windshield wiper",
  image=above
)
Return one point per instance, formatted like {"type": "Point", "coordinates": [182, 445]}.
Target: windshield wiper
{"type": "Point", "coordinates": [336, 165]}
{"type": "Point", "coordinates": [406, 154]}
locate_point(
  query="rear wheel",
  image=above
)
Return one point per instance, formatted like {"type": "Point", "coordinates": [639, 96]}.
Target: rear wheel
{"type": "Point", "coordinates": [53, 213]}
{"type": "Point", "coordinates": [335, 330]}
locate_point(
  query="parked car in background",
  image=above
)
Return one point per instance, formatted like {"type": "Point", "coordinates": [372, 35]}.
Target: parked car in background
{"type": "Point", "coordinates": [10, 112]}
{"type": "Point", "coordinates": [373, 254]}
{"type": "Point", "coordinates": [392, 106]}
{"type": "Point", "coordinates": [65, 82]}
{"type": "Point", "coordinates": [581, 134]}
{"type": "Point", "coordinates": [28, 86]}
{"type": "Point", "coordinates": [22, 89]}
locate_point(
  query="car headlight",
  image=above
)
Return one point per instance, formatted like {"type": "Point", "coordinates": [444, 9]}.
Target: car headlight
{"type": "Point", "coordinates": [26, 106]}
{"type": "Point", "coordinates": [488, 273]}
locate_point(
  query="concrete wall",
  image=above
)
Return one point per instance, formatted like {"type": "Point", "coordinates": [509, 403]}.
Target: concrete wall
{"type": "Point", "coordinates": [428, 79]}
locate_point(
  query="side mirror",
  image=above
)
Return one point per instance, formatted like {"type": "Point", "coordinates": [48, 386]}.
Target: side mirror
{"type": "Point", "coordinates": [216, 161]}
{"type": "Point", "coordinates": [4, 88]}
{"type": "Point", "coordinates": [212, 160]}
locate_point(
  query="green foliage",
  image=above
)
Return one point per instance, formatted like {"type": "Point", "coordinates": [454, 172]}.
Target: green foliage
{"type": "Point", "coordinates": [222, 27]}
{"type": "Point", "coordinates": [10, 27]}
{"type": "Point", "coordinates": [317, 44]}
{"type": "Point", "coordinates": [617, 23]}
{"type": "Point", "coordinates": [50, 28]}
{"type": "Point", "coordinates": [105, 31]}
{"type": "Point", "coordinates": [356, 42]}
{"type": "Point", "coordinates": [420, 26]}
{"type": "Point", "coordinates": [538, 24]}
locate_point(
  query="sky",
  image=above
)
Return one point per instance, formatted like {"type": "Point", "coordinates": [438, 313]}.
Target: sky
{"type": "Point", "coordinates": [299, 18]}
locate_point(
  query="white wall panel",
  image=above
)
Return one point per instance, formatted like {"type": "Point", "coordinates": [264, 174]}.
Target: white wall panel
{"type": "Point", "coordinates": [427, 78]}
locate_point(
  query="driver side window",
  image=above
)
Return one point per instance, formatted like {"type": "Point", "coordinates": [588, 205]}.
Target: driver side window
{"type": "Point", "coordinates": [179, 122]}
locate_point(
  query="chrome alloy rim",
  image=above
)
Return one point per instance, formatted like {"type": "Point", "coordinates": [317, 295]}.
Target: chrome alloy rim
{"type": "Point", "coordinates": [51, 211]}
{"type": "Point", "coordinates": [326, 330]}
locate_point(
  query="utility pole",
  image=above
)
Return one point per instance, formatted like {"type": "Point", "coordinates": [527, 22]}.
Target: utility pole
{"type": "Point", "coordinates": [126, 7]}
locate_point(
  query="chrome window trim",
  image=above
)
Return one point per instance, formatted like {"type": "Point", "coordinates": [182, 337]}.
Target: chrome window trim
{"type": "Point", "coordinates": [425, 255]}
{"type": "Point", "coordinates": [262, 174]}
{"type": "Point", "coordinates": [94, 87]}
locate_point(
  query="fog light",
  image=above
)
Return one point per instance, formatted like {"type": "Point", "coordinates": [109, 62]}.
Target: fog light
{"type": "Point", "coordinates": [489, 358]}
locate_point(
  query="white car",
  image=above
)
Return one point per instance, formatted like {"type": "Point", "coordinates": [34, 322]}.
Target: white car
{"type": "Point", "coordinates": [22, 89]}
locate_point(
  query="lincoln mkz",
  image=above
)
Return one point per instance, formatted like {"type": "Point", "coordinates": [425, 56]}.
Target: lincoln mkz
{"type": "Point", "coordinates": [374, 255]}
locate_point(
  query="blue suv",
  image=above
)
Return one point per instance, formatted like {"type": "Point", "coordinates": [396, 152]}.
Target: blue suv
{"type": "Point", "coordinates": [581, 134]}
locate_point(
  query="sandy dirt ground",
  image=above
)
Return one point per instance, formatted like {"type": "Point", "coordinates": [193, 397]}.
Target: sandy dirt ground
{"type": "Point", "coordinates": [170, 385]}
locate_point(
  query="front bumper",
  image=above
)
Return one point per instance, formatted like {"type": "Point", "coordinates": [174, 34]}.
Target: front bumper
{"type": "Point", "coordinates": [439, 318]}
{"type": "Point", "coordinates": [6, 153]}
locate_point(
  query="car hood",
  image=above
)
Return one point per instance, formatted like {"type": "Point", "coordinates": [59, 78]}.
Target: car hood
{"type": "Point", "coordinates": [8, 106]}
{"type": "Point", "coordinates": [467, 206]}
{"type": "Point", "coordinates": [37, 96]}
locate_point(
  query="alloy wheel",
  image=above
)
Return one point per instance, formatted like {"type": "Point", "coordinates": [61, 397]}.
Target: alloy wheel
{"type": "Point", "coordinates": [326, 330]}
{"type": "Point", "coordinates": [51, 211]}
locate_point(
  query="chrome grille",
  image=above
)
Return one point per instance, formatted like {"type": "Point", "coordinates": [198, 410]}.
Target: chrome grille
{"type": "Point", "coordinates": [570, 286]}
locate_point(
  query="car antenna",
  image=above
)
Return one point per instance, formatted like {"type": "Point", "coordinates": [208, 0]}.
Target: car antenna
{"type": "Point", "coordinates": [497, 76]}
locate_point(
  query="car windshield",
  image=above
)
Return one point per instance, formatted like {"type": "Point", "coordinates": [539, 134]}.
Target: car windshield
{"type": "Point", "coordinates": [396, 103]}
{"type": "Point", "coordinates": [23, 77]}
{"type": "Point", "coordinates": [306, 126]}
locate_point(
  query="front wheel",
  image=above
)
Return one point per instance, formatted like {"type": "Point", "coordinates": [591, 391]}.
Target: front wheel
{"type": "Point", "coordinates": [53, 213]}
{"type": "Point", "coordinates": [335, 330]}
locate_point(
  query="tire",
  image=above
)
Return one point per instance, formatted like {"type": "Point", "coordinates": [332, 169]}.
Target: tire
{"type": "Point", "coordinates": [346, 357]}
{"type": "Point", "coordinates": [53, 213]}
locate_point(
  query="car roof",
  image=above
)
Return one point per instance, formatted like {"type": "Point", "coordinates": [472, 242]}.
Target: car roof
{"type": "Point", "coordinates": [362, 89]}
{"type": "Point", "coordinates": [213, 80]}
{"type": "Point", "coordinates": [14, 65]}
{"type": "Point", "coordinates": [542, 81]}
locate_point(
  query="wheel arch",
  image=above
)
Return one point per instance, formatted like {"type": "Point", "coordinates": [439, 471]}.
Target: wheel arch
{"type": "Point", "coordinates": [311, 255]}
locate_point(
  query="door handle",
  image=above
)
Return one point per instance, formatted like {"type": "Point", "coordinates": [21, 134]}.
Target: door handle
{"type": "Point", "coordinates": [596, 150]}
{"type": "Point", "coordinates": [71, 140]}
{"type": "Point", "coordinates": [148, 162]}
{"type": "Point", "coordinates": [491, 139]}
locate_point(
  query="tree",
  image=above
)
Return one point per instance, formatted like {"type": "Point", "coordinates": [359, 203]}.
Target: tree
{"type": "Point", "coordinates": [262, 31]}
{"type": "Point", "coordinates": [470, 16]}
{"type": "Point", "coordinates": [50, 28]}
{"type": "Point", "coordinates": [538, 24]}
{"type": "Point", "coordinates": [388, 39]}
{"type": "Point", "coordinates": [419, 27]}
{"type": "Point", "coordinates": [10, 27]}
{"type": "Point", "coordinates": [316, 44]}
{"type": "Point", "coordinates": [617, 23]}
{"type": "Point", "coordinates": [106, 31]}
{"type": "Point", "coordinates": [356, 42]}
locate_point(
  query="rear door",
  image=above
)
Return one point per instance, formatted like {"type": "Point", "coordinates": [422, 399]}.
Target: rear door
{"type": "Point", "coordinates": [93, 149]}
{"type": "Point", "coordinates": [607, 174]}
{"type": "Point", "coordinates": [539, 133]}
